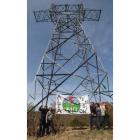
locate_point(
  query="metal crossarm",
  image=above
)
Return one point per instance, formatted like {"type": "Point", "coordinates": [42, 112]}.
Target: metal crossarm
{"type": "Point", "coordinates": [45, 16]}
{"type": "Point", "coordinates": [67, 12]}
{"type": "Point", "coordinates": [91, 15]}
{"type": "Point", "coordinates": [76, 8]}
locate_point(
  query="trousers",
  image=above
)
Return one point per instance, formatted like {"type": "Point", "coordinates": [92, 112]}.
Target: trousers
{"type": "Point", "coordinates": [101, 121]}
{"type": "Point", "coordinates": [106, 118]}
{"type": "Point", "coordinates": [50, 123]}
{"type": "Point", "coordinates": [42, 126]}
{"type": "Point", "coordinates": [93, 119]}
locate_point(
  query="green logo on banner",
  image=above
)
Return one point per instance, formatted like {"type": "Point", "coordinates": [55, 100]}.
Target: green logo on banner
{"type": "Point", "coordinates": [71, 104]}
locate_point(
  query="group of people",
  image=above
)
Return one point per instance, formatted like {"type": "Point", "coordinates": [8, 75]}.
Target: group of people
{"type": "Point", "coordinates": [100, 112]}
{"type": "Point", "coordinates": [46, 121]}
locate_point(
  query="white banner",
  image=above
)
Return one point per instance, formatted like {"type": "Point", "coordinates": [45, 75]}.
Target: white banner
{"type": "Point", "coordinates": [66, 104]}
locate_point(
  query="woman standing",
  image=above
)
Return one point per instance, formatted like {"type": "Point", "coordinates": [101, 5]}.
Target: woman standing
{"type": "Point", "coordinates": [49, 121]}
{"type": "Point", "coordinates": [99, 115]}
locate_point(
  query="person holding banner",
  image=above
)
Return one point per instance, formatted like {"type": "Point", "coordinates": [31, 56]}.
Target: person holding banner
{"type": "Point", "coordinates": [93, 117]}
{"type": "Point", "coordinates": [49, 121]}
{"type": "Point", "coordinates": [42, 120]}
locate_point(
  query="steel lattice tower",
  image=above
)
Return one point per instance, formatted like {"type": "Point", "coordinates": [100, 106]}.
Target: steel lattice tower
{"type": "Point", "coordinates": [80, 65]}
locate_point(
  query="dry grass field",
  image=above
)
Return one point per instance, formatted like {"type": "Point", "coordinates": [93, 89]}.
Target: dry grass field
{"type": "Point", "coordinates": [84, 134]}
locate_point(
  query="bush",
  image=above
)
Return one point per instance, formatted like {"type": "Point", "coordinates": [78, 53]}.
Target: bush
{"type": "Point", "coordinates": [77, 121]}
{"type": "Point", "coordinates": [33, 122]}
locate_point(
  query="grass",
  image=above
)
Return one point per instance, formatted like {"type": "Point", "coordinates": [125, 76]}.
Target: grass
{"type": "Point", "coordinates": [80, 134]}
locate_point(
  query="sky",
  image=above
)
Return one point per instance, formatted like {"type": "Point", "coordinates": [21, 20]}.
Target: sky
{"type": "Point", "coordinates": [100, 33]}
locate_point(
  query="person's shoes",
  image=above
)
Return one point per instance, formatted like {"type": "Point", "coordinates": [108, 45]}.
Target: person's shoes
{"type": "Point", "coordinates": [38, 135]}
{"type": "Point", "coordinates": [53, 134]}
{"type": "Point", "coordinates": [103, 129]}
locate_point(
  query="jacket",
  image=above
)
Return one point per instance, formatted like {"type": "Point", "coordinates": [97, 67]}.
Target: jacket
{"type": "Point", "coordinates": [93, 110]}
{"type": "Point", "coordinates": [43, 112]}
{"type": "Point", "coordinates": [49, 116]}
{"type": "Point", "coordinates": [102, 110]}
{"type": "Point", "coordinates": [98, 110]}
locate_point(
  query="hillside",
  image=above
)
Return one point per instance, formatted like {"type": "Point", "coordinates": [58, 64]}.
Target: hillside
{"type": "Point", "coordinates": [84, 134]}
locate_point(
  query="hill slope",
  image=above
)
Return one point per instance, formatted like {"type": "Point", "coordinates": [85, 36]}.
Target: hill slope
{"type": "Point", "coordinates": [79, 135]}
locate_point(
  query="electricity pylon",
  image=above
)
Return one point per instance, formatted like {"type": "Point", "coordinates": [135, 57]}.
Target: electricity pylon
{"type": "Point", "coordinates": [76, 64]}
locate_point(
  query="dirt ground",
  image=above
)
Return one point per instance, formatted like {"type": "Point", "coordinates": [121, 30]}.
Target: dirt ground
{"type": "Point", "coordinates": [79, 135]}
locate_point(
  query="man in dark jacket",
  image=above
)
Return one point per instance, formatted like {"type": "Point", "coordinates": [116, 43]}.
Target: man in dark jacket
{"type": "Point", "coordinates": [43, 120]}
{"type": "Point", "coordinates": [93, 116]}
